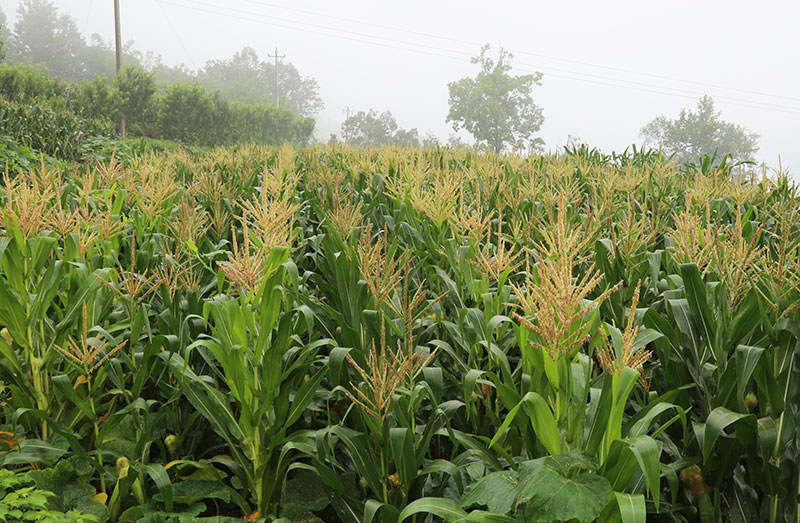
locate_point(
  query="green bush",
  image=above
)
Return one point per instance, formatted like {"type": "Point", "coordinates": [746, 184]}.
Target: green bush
{"type": "Point", "coordinates": [97, 99]}
{"type": "Point", "coordinates": [268, 124]}
{"type": "Point", "coordinates": [192, 114]}
{"type": "Point", "coordinates": [189, 113]}
{"type": "Point", "coordinates": [186, 113]}
{"type": "Point", "coordinates": [137, 90]}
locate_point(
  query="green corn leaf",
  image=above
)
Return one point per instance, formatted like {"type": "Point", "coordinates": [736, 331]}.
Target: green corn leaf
{"type": "Point", "coordinates": [383, 511]}
{"type": "Point", "coordinates": [541, 418]}
{"type": "Point", "coordinates": [64, 386]}
{"type": "Point", "coordinates": [446, 509]}
{"type": "Point", "coordinates": [400, 441]}
{"type": "Point", "coordinates": [632, 508]}
{"type": "Point", "coordinates": [719, 419]}
{"type": "Point", "coordinates": [304, 396]}
{"type": "Point", "coordinates": [161, 479]}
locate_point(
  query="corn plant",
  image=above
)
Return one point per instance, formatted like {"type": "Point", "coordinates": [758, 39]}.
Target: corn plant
{"type": "Point", "coordinates": [259, 347]}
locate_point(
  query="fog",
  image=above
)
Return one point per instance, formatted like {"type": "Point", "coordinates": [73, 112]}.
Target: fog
{"type": "Point", "coordinates": [609, 67]}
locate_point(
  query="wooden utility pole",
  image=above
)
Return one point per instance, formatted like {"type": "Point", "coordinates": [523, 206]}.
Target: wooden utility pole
{"type": "Point", "coordinates": [277, 57]}
{"type": "Point", "coordinates": [118, 45]}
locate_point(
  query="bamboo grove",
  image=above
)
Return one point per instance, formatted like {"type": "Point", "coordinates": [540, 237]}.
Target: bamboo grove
{"type": "Point", "coordinates": [341, 334]}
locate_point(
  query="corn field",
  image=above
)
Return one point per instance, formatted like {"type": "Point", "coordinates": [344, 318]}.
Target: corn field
{"type": "Point", "coordinates": [396, 335]}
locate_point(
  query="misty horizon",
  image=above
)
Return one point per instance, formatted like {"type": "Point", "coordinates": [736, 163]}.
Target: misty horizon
{"type": "Point", "coordinates": [607, 70]}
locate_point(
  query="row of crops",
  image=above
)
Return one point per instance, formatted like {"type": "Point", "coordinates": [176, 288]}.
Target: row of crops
{"type": "Point", "coordinates": [337, 334]}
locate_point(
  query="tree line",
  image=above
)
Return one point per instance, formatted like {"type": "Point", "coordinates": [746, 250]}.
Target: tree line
{"type": "Point", "coordinates": [232, 100]}
{"type": "Point", "coordinates": [228, 101]}
{"type": "Point", "coordinates": [498, 110]}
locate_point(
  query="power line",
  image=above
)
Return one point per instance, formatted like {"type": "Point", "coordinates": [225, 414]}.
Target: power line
{"type": "Point", "coordinates": [88, 13]}
{"type": "Point", "coordinates": [523, 52]}
{"type": "Point", "coordinates": [180, 41]}
{"type": "Point", "coordinates": [226, 11]}
{"type": "Point", "coordinates": [75, 62]}
{"type": "Point", "coordinates": [677, 89]}
{"type": "Point", "coordinates": [262, 22]}
{"type": "Point", "coordinates": [567, 74]}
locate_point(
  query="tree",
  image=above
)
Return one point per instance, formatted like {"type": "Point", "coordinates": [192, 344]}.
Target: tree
{"type": "Point", "coordinates": [43, 37]}
{"type": "Point", "coordinates": [370, 129]}
{"type": "Point", "coordinates": [96, 99]}
{"type": "Point", "coordinates": [192, 114]}
{"type": "Point", "coordinates": [137, 89]}
{"type": "Point", "coordinates": [301, 94]}
{"type": "Point", "coordinates": [430, 140]}
{"type": "Point", "coordinates": [238, 78]}
{"type": "Point", "coordinates": [99, 57]}
{"type": "Point", "coordinates": [496, 107]}
{"type": "Point", "coordinates": [2, 34]}
{"type": "Point", "coordinates": [695, 134]}
{"type": "Point", "coordinates": [167, 75]}
{"type": "Point", "coordinates": [246, 78]}
{"type": "Point", "coordinates": [455, 142]}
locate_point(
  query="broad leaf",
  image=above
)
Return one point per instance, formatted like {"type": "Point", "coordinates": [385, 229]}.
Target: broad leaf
{"type": "Point", "coordinates": [562, 488]}
{"type": "Point", "coordinates": [496, 491]}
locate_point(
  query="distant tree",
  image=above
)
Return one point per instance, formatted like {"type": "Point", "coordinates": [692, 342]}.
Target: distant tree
{"type": "Point", "coordinates": [496, 107]}
{"type": "Point", "coordinates": [370, 129]}
{"type": "Point", "coordinates": [99, 57]}
{"type": "Point", "coordinates": [3, 36]}
{"type": "Point", "coordinates": [406, 137]}
{"type": "Point", "coordinates": [167, 75]}
{"type": "Point", "coordinates": [430, 141]}
{"type": "Point", "coordinates": [246, 78]}
{"type": "Point", "coordinates": [695, 134]}
{"type": "Point", "coordinates": [238, 78]}
{"type": "Point", "coordinates": [456, 142]}
{"type": "Point", "coordinates": [573, 140]}
{"type": "Point", "coordinates": [43, 37]}
{"type": "Point", "coordinates": [299, 93]}
{"type": "Point", "coordinates": [23, 81]}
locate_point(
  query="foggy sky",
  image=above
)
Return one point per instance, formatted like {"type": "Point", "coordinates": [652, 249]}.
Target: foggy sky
{"type": "Point", "coordinates": [609, 67]}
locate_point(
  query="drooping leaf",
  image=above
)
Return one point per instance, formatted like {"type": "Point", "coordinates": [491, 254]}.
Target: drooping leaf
{"type": "Point", "coordinates": [302, 495]}
{"type": "Point", "coordinates": [496, 491]}
{"type": "Point", "coordinates": [562, 488]}
{"type": "Point", "coordinates": [447, 509]}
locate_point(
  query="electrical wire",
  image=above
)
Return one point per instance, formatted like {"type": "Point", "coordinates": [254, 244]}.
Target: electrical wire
{"type": "Point", "coordinates": [180, 41]}
{"type": "Point", "coordinates": [521, 52]}
{"type": "Point", "coordinates": [558, 72]}
{"type": "Point", "coordinates": [68, 90]}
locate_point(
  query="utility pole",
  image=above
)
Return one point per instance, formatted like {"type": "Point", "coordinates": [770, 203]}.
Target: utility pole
{"type": "Point", "coordinates": [276, 57]}
{"type": "Point", "coordinates": [118, 45]}
{"type": "Point", "coordinates": [347, 117]}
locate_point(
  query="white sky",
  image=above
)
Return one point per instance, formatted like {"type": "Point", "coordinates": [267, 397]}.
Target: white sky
{"type": "Point", "coordinates": [609, 67]}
